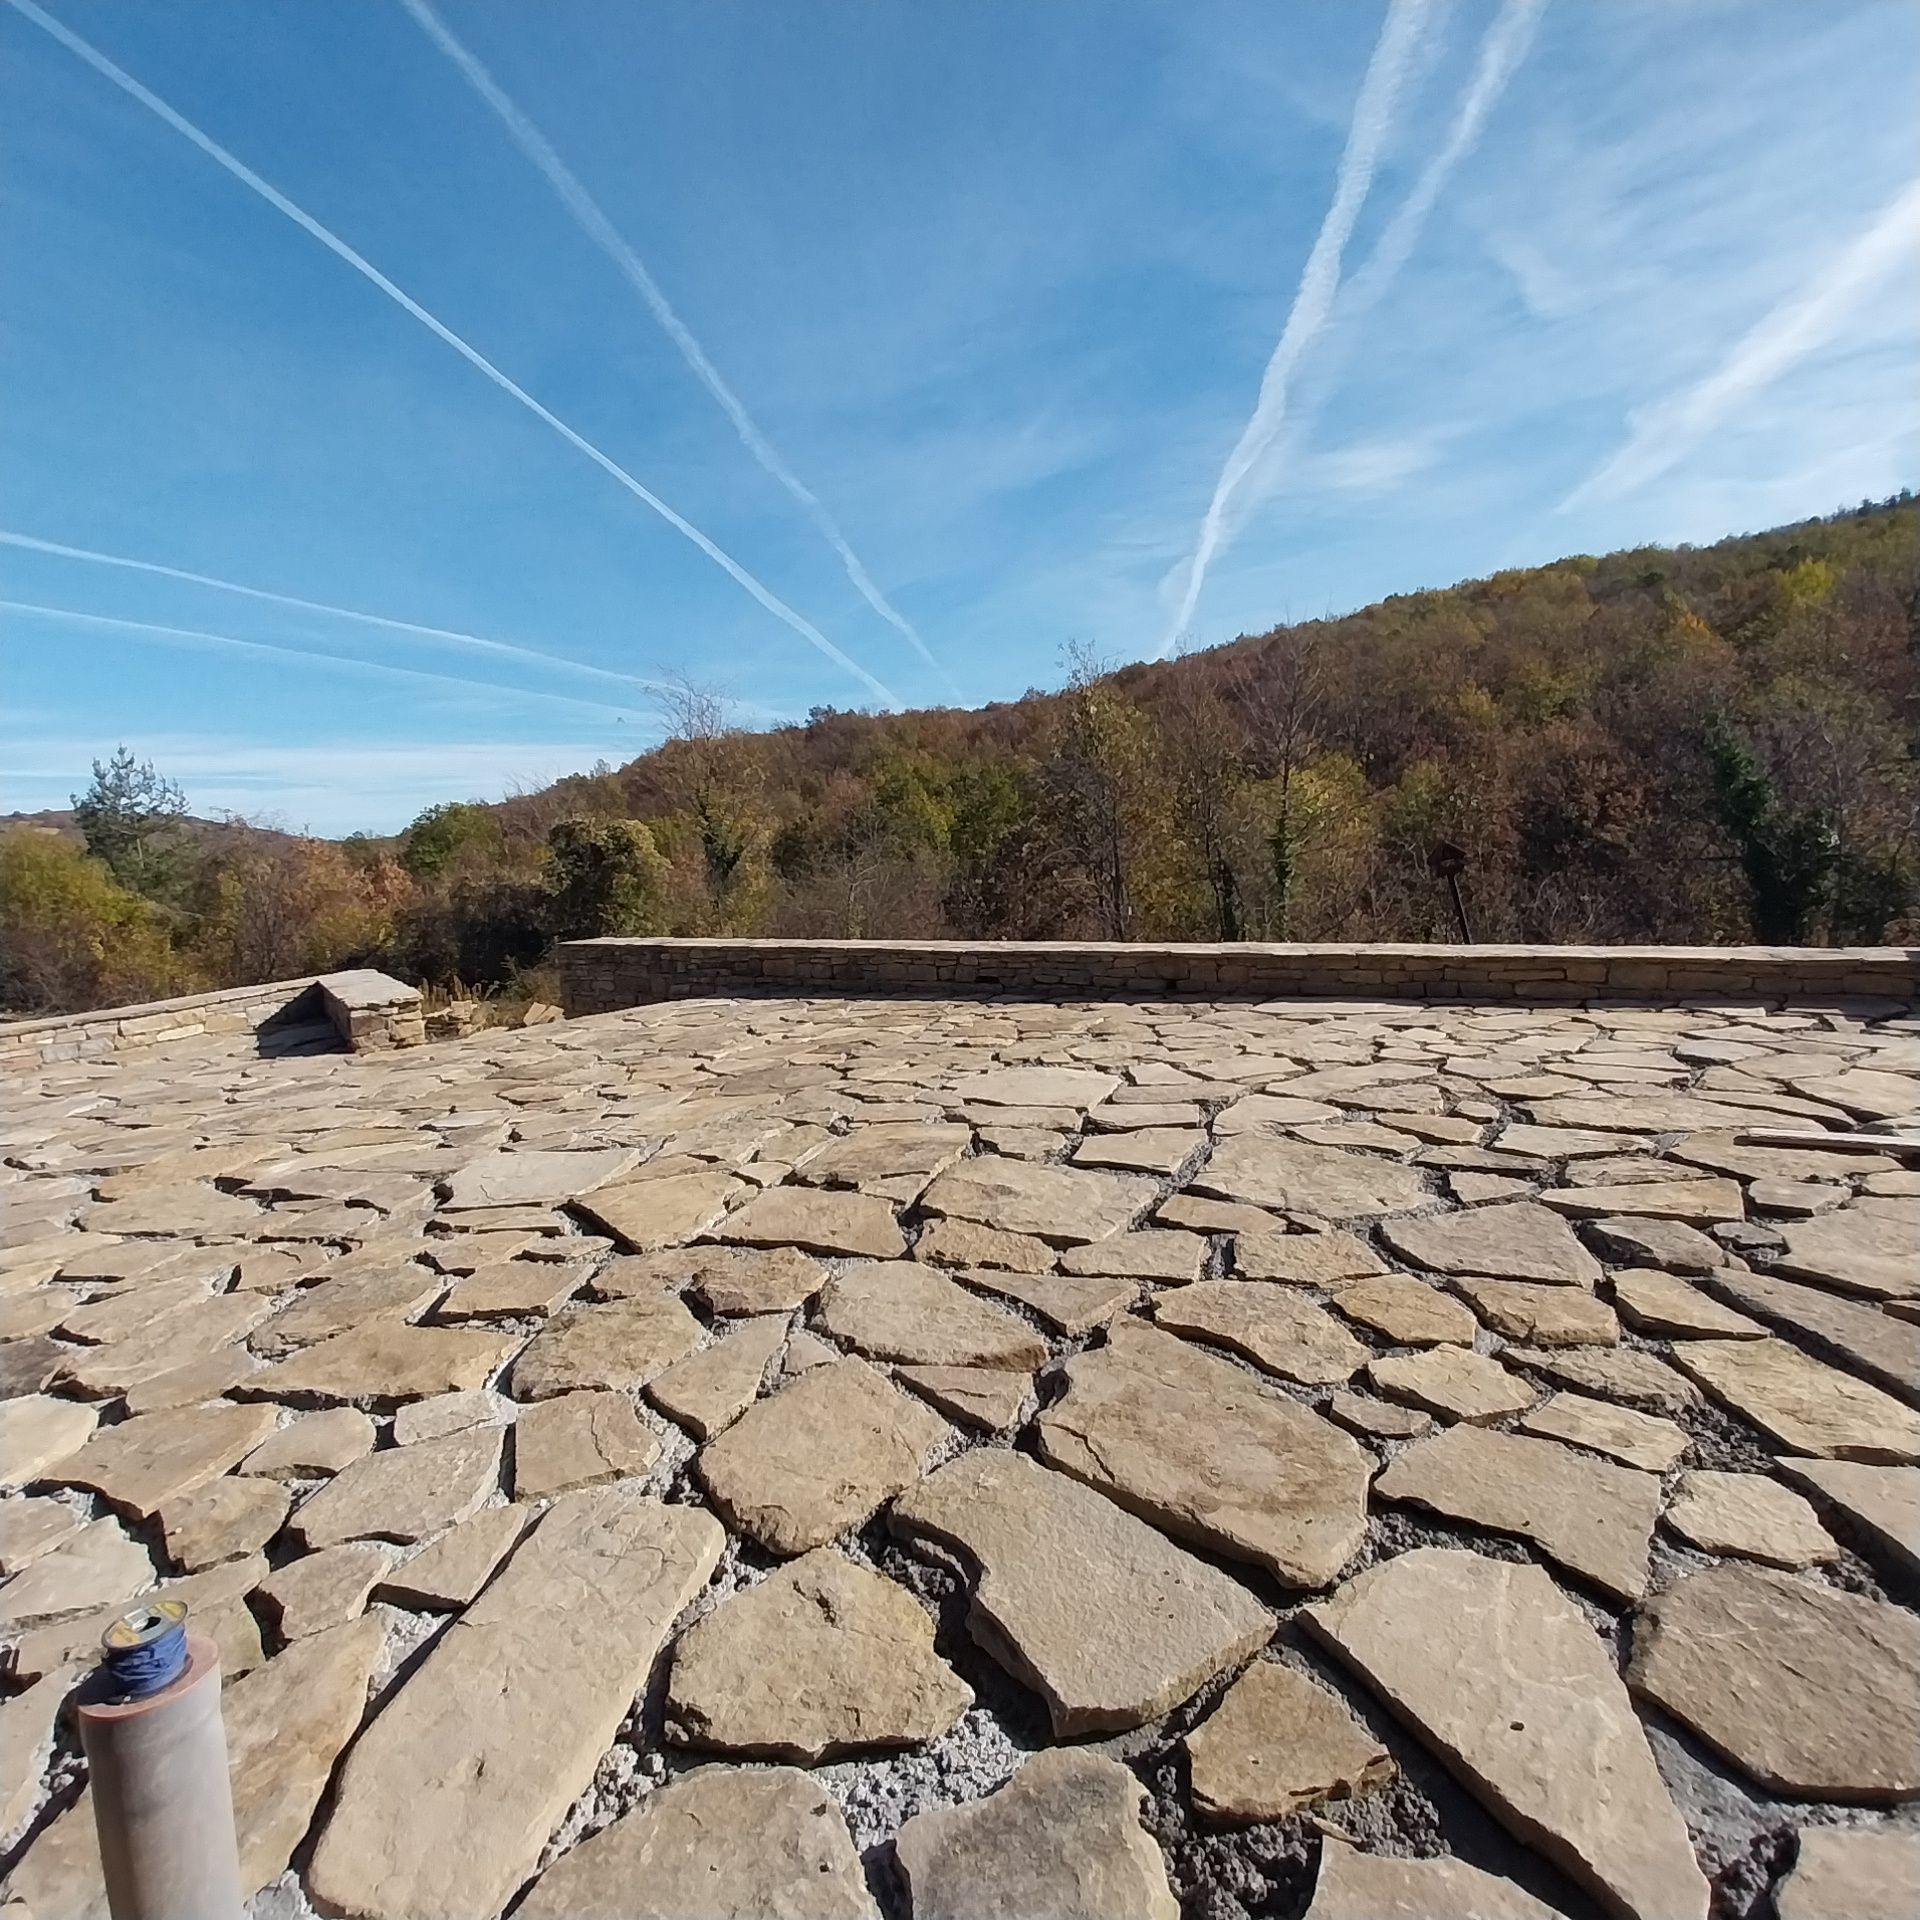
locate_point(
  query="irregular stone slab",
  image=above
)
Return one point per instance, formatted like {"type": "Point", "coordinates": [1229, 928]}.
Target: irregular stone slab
{"type": "Point", "coordinates": [1697, 1203]}
{"type": "Point", "coordinates": [1757, 1160]}
{"type": "Point", "coordinates": [1279, 1742]}
{"type": "Point", "coordinates": [1062, 1838]}
{"type": "Point", "coordinates": [192, 1384]}
{"type": "Point", "coordinates": [1272, 1325]}
{"type": "Point", "coordinates": [1410, 1313]}
{"type": "Point", "coordinates": [802, 1466]}
{"type": "Point", "coordinates": [37, 1432]}
{"type": "Point", "coordinates": [1751, 1516]}
{"type": "Point", "coordinates": [338, 1306]}
{"type": "Point", "coordinates": [26, 1740]}
{"type": "Point", "coordinates": [684, 1850]}
{"type": "Point", "coordinates": [821, 1658]}
{"type": "Point", "coordinates": [1862, 1092]}
{"type": "Point", "coordinates": [1594, 1518]}
{"type": "Point", "coordinates": [1518, 1242]}
{"type": "Point", "coordinates": [1876, 1508]}
{"type": "Point", "coordinates": [740, 1280]}
{"type": "Point", "coordinates": [1097, 1612]}
{"type": "Point", "coordinates": [1379, 1419]}
{"type": "Point", "coordinates": [877, 1157]}
{"type": "Point", "coordinates": [518, 1289]}
{"type": "Point", "coordinates": [1035, 1087]}
{"type": "Point", "coordinates": [323, 1590]}
{"type": "Point", "coordinates": [383, 1363]}
{"type": "Point", "coordinates": [1642, 1440]}
{"type": "Point", "coordinates": [26, 1366]}
{"type": "Point", "coordinates": [133, 1309]}
{"type": "Point", "coordinates": [1075, 1303]}
{"type": "Point", "coordinates": [1807, 1407]}
{"type": "Point", "coordinates": [223, 1520]}
{"type": "Point", "coordinates": [1305, 1259]}
{"type": "Point", "coordinates": [1851, 1874]}
{"type": "Point", "coordinates": [1662, 1303]}
{"type": "Point", "coordinates": [446, 1575]}
{"type": "Point", "coordinates": [313, 1445]}
{"type": "Point", "coordinates": [98, 1566]}
{"type": "Point", "coordinates": [1670, 1244]}
{"type": "Point", "coordinates": [1853, 1252]}
{"type": "Point", "coordinates": [1195, 1445]}
{"type": "Point", "coordinates": [1156, 1150]}
{"type": "Point", "coordinates": [445, 1801]}
{"type": "Point", "coordinates": [713, 1387]}
{"type": "Point", "coordinates": [1471, 1189]}
{"type": "Point", "coordinates": [901, 1310]}
{"type": "Point", "coordinates": [1059, 1204]}
{"type": "Point", "coordinates": [188, 1212]}
{"type": "Point", "coordinates": [1454, 1382]}
{"type": "Point", "coordinates": [1193, 1214]}
{"type": "Point", "coordinates": [1614, 1373]}
{"type": "Point", "coordinates": [517, 1177]}
{"type": "Point", "coordinates": [1545, 1315]}
{"type": "Point", "coordinates": [1150, 1253]}
{"type": "Point", "coordinates": [29, 1528]}
{"type": "Point", "coordinates": [1645, 1110]}
{"type": "Point", "coordinates": [987, 1399]}
{"type": "Point", "coordinates": [446, 1413]}
{"type": "Point", "coordinates": [404, 1493]}
{"type": "Point", "coordinates": [620, 1345]}
{"type": "Point", "coordinates": [1293, 1176]}
{"type": "Point", "coordinates": [286, 1726]}
{"type": "Point", "coordinates": [965, 1243]}
{"type": "Point", "coordinates": [578, 1440]}
{"type": "Point", "coordinates": [1813, 1692]}
{"type": "Point", "coordinates": [1570, 1143]}
{"type": "Point", "coordinates": [643, 1215]}
{"type": "Point", "coordinates": [819, 1219]}
{"type": "Point", "coordinates": [1502, 1675]}
{"type": "Point", "coordinates": [1860, 1337]}
{"type": "Point", "coordinates": [1372, 1886]}
{"type": "Point", "coordinates": [141, 1464]}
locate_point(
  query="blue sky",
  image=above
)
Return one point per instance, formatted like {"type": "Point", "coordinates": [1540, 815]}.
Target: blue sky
{"type": "Point", "coordinates": [1000, 282]}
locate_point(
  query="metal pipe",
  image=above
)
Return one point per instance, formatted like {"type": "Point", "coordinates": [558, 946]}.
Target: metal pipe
{"type": "Point", "coordinates": [157, 1761]}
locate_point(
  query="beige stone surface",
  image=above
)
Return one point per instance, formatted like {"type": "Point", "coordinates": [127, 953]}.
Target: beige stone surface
{"type": "Point", "coordinates": [313, 1445]}
{"type": "Point", "coordinates": [31, 1527]}
{"type": "Point", "coordinates": [142, 1463]}
{"type": "Point", "coordinates": [445, 1801]}
{"type": "Point", "coordinates": [710, 1388]}
{"type": "Point", "coordinates": [1407, 1312]}
{"type": "Point", "coordinates": [1152, 1150]}
{"type": "Point", "coordinates": [621, 1344]}
{"type": "Point", "coordinates": [1697, 1203]}
{"type": "Point", "coordinates": [1748, 1515]}
{"type": "Point", "coordinates": [26, 1740]}
{"type": "Point", "coordinates": [1352, 1885]}
{"type": "Point", "coordinates": [803, 1465]}
{"type": "Point", "coordinates": [1279, 1742]}
{"type": "Point", "coordinates": [404, 1493]}
{"type": "Point", "coordinates": [1197, 1446]}
{"type": "Point", "coordinates": [99, 1565]}
{"type": "Point", "coordinates": [1662, 1303]}
{"type": "Point", "coordinates": [1035, 1087]}
{"type": "Point", "coordinates": [1296, 1177]}
{"type": "Point", "coordinates": [446, 1575]}
{"type": "Point", "coordinates": [1453, 1382]}
{"type": "Point", "coordinates": [1643, 1440]}
{"type": "Point", "coordinates": [1377, 1419]}
{"type": "Point", "coordinates": [1813, 1692]}
{"type": "Point", "coordinates": [1546, 1316]}
{"type": "Point", "coordinates": [722, 1843]}
{"type": "Point", "coordinates": [1843, 1874]}
{"type": "Point", "coordinates": [821, 1658]}
{"type": "Point", "coordinates": [322, 1590]}
{"type": "Point", "coordinates": [643, 1215]}
{"type": "Point", "coordinates": [1594, 1518]}
{"type": "Point", "coordinates": [747, 1280]}
{"type": "Point", "coordinates": [1864, 1339]}
{"type": "Point", "coordinates": [901, 1310]}
{"type": "Point", "coordinates": [384, 1362]}
{"type": "Point", "coordinates": [1805, 1405]}
{"type": "Point", "coordinates": [1272, 1325]}
{"type": "Point", "coordinates": [517, 1177]}
{"type": "Point", "coordinates": [1626, 1374]}
{"type": "Point", "coordinates": [1064, 1205]}
{"type": "Point", "coordinates": [985, 1399]}
{"type": "Point", "coordinates": [818, 1220]}
{"type": "Point", "coordinates": [398, 1292]}
{"type": "Point", "coordinates": [445, 1413]}
{"type": "Point", "coordinates": [223, 1520]}
{"type": "Point", "coordinates": [37, 1431]}
{"type": "Point", "coordinates": [578, 1440]}
{"type": "Point", "coordinates": [1074, 1303]}
{"type": "Point", "coordinates": [1876, 1508]}
{"type": "Point", "coordinates": [965, 1243]}
{"type": "Point", "coordinates": [1150, 1253]}
{"type": "Point", "coordinates": [1521, 1241]}
{"type": "Point", "coordinates": [1501, 1674]}
{"type": "Point", "coordinates": [1062, 1839]}
{"type": "Point", "coordinates": [1097, 1612]}
{"type": "Point", "coordinates": [1853, 1251]}
{"type": "Point", "coordinates": [516, 1289]}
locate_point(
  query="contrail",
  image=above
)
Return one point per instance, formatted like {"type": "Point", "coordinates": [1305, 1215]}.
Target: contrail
{"type": "Point", "coordinates": [444, 636]}
{"type": "Point", "coordinates": [1319, 282]}
{"type": "Point", "coordinates": [593, 222]}
{"type": "Point", "coordinates": [474, 358]}
{"type": "Point", "coordinates": [1665, 433]}
{"type": "Point", "coordinates": [194, 637]}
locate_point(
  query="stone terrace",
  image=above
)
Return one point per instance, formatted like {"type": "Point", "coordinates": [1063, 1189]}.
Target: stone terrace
{"type": "Point", "coordinates": [851, 1457]}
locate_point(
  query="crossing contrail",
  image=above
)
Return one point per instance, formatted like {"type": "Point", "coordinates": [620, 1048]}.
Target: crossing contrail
{"type": "Point", "coordinates": [440, 636]}
{"type": "Point", "coordinates": [240, 171]}
{"type": "Point", "coordinates": [1319, 282]}
{"type": "Point", "coordinates": [195, 637]}
{"type": "Point", "coordinates": [1662, 435]}
{"type": "Point", "coordinates": [591, 219]}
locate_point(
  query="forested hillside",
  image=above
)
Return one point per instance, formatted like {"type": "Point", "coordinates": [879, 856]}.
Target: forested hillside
{"type": "Point", "coordinates": [1695, 744]}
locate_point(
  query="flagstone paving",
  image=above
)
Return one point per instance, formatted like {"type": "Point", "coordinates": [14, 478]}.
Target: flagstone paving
{"type": "Point", "coordinates": [902, 1458]}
